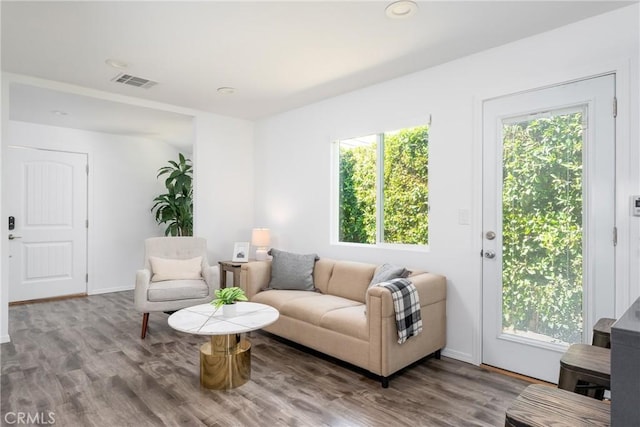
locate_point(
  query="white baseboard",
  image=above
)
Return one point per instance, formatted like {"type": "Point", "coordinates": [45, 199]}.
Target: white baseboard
{"type": "Point", "coordinates": [109, 290]}
{"type": "Point", "coordinates": [458, 355]}
{"type": "Point", "coordinates": [4, 339]}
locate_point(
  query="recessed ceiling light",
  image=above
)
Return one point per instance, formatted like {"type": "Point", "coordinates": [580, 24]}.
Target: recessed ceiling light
{"type": "Point", "coordinates": [59, 113]}
{"type": "Point", "coordinates": [401, 9]}
{"type": "Point", "coordinates": [116, 63]}
{"type": "Point", "coordinates": [225, 90]}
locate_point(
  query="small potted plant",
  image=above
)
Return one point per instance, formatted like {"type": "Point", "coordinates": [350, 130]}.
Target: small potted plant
{"type": "Point", "coordinates": [226, 298]}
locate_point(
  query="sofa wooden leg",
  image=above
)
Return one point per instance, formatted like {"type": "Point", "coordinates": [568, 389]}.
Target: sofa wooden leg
{"type": "Point", "coordinates": [385, 382]}
{"type": "Point", "coordinates": [437, 354]}
{"type": "Point", "coordinates": [145, 322]}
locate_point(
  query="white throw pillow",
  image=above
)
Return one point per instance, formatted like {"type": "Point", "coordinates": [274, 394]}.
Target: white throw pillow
{"type": "Point", "coordinates": [175, 269]}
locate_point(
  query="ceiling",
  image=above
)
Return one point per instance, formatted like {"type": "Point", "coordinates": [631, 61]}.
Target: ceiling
{"type": "Point", "coordinates": [49, 107]}
{"type": "Point", "coordinates": [278, 55]}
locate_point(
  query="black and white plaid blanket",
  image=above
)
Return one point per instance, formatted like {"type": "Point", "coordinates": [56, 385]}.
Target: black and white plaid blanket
{"type": "Point", "coordinates": [407, 307]}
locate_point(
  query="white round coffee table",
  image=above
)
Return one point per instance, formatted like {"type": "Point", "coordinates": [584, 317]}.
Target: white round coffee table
{"type": "Point", "coordinates": [225, 361]}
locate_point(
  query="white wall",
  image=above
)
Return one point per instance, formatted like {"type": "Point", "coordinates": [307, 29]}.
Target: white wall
{"type": "Point", "coordinates": [223, 201]}
{"type": "Point", "coordinates": [122, 185]}
{"type": "Point", "coordinates": [293, 164]}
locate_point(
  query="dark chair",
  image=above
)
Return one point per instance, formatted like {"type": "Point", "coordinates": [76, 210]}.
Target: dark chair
{"type": "Point", "coordinates": [585, 364]}
{"type": "Point", "coordinates": [601, 338]}
{"type": "Point", "coordinates": [544, 406]}
{"type": "Point", "coordinates": [602, 333]}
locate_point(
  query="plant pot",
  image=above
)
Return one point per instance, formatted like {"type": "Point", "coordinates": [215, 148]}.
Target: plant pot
{"type": "Point", "coordinates": [229, 310]}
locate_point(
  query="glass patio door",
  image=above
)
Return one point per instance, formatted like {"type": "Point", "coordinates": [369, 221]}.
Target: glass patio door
{"type": "Point", "coordinates": [548, 223]}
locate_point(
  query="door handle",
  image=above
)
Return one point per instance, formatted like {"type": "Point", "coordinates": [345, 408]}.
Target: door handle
{"type": "Point", "coordinates": [489, 254]}
{"type": "Point", "coordinates": [12, 237]}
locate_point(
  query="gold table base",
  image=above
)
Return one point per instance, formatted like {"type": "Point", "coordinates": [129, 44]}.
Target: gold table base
{"type": "Point", "coordinates": [225, 362]}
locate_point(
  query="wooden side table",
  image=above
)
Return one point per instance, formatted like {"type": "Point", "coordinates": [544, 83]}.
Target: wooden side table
{"type": "Point", "coordinates": [232, 267]}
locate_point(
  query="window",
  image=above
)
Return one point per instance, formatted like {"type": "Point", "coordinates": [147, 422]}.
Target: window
{"type": "Point", "coordinates": [383, 188]}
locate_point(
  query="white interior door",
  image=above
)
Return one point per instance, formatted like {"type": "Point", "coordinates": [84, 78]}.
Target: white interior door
{"type": "Point", "coordinates": [548, 223]}
{"type": "Point", "coordinates": [47, 197]}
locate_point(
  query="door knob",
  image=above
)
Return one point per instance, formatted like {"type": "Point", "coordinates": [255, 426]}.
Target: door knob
{"type": "Point", "coordinates": [489, 254]}
{"type": "Point", "coordinates": [11, 237]}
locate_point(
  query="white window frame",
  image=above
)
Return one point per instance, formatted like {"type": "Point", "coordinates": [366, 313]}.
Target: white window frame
{"type": "Point", "coordinates": [335, 198]}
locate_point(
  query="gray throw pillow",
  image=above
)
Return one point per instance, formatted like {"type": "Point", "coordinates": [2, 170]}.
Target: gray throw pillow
{"type": "Point", "coordinates": [292, 271]}
{"type": "Point", "coordinates": [387, 272]}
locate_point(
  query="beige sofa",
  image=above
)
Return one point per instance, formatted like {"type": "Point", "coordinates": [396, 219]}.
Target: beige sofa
{"type": "Point", "coordinates": [347, 320]}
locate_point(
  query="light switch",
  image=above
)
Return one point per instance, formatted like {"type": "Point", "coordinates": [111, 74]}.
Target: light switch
{"type": "Point", "coordinates": [463, 217]}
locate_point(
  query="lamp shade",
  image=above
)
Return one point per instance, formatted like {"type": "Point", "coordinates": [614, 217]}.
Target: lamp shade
{"type": "Point", "coordinates": [261, 237]}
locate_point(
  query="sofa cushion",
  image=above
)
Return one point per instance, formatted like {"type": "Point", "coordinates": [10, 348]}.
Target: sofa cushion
{"type": "Point", "coordinates": [322, 273]}
{"type": "Point", "coordinates": [348, 321]}
{"type": "Point", "coordinates": [172, 290]}
{"type": "Point", "coordinates": [311, 310]}
{"type": "Point", "coordinates": [292, 271]}
{"type": "Point", "coordinates": [276, 298]}
{"type": "Point", "coordinates": [351, 280]}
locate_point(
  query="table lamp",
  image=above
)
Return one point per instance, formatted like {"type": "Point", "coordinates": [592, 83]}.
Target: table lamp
{"type": "Point", "coordinates": [260, 238]}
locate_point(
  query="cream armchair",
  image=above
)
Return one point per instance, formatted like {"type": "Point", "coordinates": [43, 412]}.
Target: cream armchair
{"type": "Point", "coordinates": [176, 275]}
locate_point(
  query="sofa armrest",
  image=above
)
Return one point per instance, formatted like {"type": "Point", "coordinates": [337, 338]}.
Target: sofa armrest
{"type": "Point", "coordinates": [431, 289]}
{"type": "Point", "coordinates": [255, 275]}
{"type": "Point", "coordinates": [143, 279]}
{"type": "Point", "coordinates": [386, 356]}
{"type": "Point", "coordinates": [211, 275]}
{"type": "Point", "coordinates": [379, 302]}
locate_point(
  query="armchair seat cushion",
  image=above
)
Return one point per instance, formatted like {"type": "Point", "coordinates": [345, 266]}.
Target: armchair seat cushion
{"type": "Point", "coordinates": [172, 290]}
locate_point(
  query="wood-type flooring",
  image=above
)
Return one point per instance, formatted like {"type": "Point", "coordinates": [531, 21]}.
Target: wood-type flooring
{"type": "Point", "coordinates": [81, 362]}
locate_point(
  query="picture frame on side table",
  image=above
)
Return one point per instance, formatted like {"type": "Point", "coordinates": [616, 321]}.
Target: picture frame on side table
{"type": "Point", "coordinates": [240, 252]}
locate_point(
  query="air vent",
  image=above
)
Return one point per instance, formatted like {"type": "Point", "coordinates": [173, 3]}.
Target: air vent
{"type": "Point", "coordinates": [128, 79]}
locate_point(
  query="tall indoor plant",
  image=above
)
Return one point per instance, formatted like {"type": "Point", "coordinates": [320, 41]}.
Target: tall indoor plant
{"type": "Point", "coordinates": [175, 207]}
